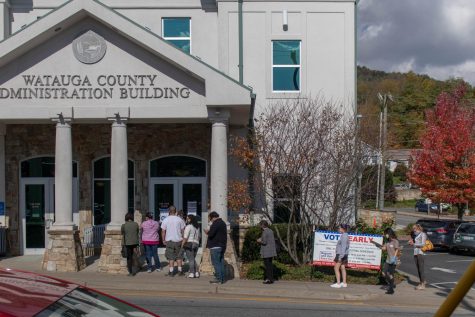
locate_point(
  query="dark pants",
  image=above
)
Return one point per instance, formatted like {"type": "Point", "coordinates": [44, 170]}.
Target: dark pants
{"type": "Point", "coordinates": [419, 259]}
{"type": "Point", "coordinates": [388, 272]}
{"type": "Point", "coordinates": [130, 257]}
{"type": "Point", "coordinates": [269, 270]}
{"type": "Point", "coordinates": [191, 256]}
{"type": "Point", "coordinates": [217, 259]}
{"type": "Point", "coordinates": [151, 252]}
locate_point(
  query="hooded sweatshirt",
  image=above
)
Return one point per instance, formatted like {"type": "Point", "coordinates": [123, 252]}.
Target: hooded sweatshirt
{"type": "Point", "coordinates": [150, 232]}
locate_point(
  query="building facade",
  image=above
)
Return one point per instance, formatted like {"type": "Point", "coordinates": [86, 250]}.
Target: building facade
{"type": "Point", "coordinates": [115, 106]}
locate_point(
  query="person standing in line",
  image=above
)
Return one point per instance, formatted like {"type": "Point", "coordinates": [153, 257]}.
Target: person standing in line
{"type": "Point", "coordinates": [172, 237]}
{"type": "Point", "coordinates": [217, 241]}
{"type": "Point", "coordinates": [418, 242]}
{"type": "Point", "coordinates": [150, 229]}
{"type": "Point", "coordinates": [131, 240]}
{"type": "Point", "coordinates": [341, 257]}
{"type": "Point", "coordinates": [391, 247]}
{"type": "Point", "coordinates": [268, 251]}
{"type": "Point", "coordinates": [191, 241]}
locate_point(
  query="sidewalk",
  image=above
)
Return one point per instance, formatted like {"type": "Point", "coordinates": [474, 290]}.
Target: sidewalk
{"type": "Point", "coordinates": [158, 284]}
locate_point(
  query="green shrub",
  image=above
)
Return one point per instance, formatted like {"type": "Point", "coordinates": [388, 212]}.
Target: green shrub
{"type": "Point", "coordinates": [255, 270]}
{"type": "Point", "coordinates": [250, 248]}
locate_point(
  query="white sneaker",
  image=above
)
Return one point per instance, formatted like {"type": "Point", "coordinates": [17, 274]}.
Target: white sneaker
{"type": "Point", "coordinates": [197, 274]}
{"type": "Point", "coordinates": [191, 275]}
{"type": "Point", "coordinates": [336, 285]}
{"type": "Point", "coordinates": [158, 270]}
{"type": "Point", "coordinates": [344, 285]}
{"type": "Point", "coordinates": [149, 270]}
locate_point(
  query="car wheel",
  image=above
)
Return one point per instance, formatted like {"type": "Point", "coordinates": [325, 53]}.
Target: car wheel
{"type": "Point", "coordinates": [453, 250]}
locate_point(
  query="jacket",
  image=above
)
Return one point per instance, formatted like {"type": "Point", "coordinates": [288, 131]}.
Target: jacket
{"type": "Point", "coordinates": [343, 245]}
{"type": "Point", "coordinates": [130, 233]}
{"type": "Point", "coordinates": [268, 244]}
{"type": "Point", "coordinates": [218, 235]}
{"type": "Point", "coordinates": [150, 231]}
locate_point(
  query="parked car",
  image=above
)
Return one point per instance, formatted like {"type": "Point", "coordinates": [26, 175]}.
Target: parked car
{"type": "Point", "coordinates": [464, 238]}
{"type": "Point", "coordinates": [440, 232]}
{"type": "Point", "coordinates": [30, 294]}
{"type": "Point", "coordinates": [421, 206]}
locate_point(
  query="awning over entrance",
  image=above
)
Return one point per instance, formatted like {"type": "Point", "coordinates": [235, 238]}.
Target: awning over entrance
{"type": "Point", "coordinates": [89, 62]}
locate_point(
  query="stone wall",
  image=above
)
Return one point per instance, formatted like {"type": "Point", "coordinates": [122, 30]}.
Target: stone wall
{"type": "Point", "coordinates": [376, 217]}
{"type": "Point", "coordinates": [408, 194]}
{"type": "Point", "coordinates": [90, 142]}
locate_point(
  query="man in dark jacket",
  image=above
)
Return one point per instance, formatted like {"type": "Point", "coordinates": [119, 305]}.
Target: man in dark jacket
{"type": "Point", "coordinates": [217, 240]}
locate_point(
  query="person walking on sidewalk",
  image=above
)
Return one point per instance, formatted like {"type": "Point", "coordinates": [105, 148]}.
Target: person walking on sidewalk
{"type": "Point", "coordinates": [130, 238]}
{"type": "Point", "coordinates": [341, 257]}
{"type": "Point", "coordinates": [418, 242]}
{"type": "Point", "coordinates": [217, 241]}
{"type": "Point", "coordinates": [268, 251]}
{"type": "Point", "coordinates": [150, 229]}
{"type": "Point", "coordinates": [191, 241]}
{"type": "Point", "coordinates": [391, 247]}
{"type": "Point", "coordinates": [172, 236]}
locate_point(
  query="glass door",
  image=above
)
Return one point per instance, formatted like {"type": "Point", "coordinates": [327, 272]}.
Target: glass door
{"type": "Point", "coordinates": [192, 196]}
{"type": "Point", "coordinates": [164, 194]}
{"type": "Point", "coordinates": [37, 206]}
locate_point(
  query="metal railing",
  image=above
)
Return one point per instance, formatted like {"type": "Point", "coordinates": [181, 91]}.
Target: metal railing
{"type": "Point", "coordinates": [3, 241]}
{"type": "Point", "coordinates": [93, 239]}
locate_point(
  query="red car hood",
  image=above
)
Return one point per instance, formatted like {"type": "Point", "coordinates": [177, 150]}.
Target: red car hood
{"type": "Point", "coordinates": [26, 294]}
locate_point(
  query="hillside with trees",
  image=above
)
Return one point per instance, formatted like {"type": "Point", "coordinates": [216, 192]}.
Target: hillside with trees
{"type": "Point", "coordinates": [413, 95]}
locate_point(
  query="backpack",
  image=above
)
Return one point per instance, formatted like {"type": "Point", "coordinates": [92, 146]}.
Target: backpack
{"type": "Point", "coordinates": [428, 246]}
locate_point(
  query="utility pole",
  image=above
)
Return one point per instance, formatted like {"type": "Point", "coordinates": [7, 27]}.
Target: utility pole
{"type": "Point", "coordinates": [383, 99]}
{"type": "Point", "coordinates": [378, 177]}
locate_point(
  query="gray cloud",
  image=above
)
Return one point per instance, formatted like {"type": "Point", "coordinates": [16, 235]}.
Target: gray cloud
{"type": "Point", "coordinates": [427, 36]}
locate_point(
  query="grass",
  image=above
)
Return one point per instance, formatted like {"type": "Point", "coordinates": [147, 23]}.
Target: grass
{"type": "Point", "coordinates": [255, 271]}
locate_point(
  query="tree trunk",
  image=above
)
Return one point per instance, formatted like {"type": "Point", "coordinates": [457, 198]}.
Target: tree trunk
{"type": "Point", "coordinates": [460, 210]}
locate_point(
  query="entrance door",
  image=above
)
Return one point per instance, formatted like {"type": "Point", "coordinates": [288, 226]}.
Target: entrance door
{"type": "Point", "coordinates": [37, 204]}
{"type": "Point", "coordinates": [187, 194]}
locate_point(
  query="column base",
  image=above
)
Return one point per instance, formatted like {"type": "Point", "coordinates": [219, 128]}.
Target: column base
{"type": "Point", "coordinates": [63, 252]}
{"type": "Point", "coordinates": [111, 260]}
{"type": "Point", "coordinates": [230, 261]}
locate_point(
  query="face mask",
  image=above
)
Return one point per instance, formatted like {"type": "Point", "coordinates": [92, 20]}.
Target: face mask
{"type": "Point", "coordinates": [387, 236]}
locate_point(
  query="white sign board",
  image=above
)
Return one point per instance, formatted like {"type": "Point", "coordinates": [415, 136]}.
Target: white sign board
{"type": "Point", "coordinates": [192, 207]}
{"type": "Point", "coordinates": [362, 254]}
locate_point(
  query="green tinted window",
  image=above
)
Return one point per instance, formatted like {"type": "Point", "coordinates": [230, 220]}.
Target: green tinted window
{"type": "Point", "coordinates": [178, 32]}
{"type": "Point", "coordinates": [286, 66]}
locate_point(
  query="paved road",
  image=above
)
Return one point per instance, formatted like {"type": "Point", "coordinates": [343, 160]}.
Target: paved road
{"type": "Point", "coordinates": [442, 269]}
{"type": "Point", "coordinates": [258, 307]}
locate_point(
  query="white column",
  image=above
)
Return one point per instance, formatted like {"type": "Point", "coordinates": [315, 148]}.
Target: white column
{"type": "Point", "coordinates": [119, 174]}
{"type": "Point", "coordinates": [2, 175]}
{"type": "Point", "coordinates": [4, 19]}
{"type": "Point", "coordinates": [219, 167]}
{"type": "Point", "coordinates": [63, 177]}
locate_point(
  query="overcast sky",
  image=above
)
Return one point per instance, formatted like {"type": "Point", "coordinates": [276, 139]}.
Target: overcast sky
{"type": "Point", "coordinates": [434, 37]}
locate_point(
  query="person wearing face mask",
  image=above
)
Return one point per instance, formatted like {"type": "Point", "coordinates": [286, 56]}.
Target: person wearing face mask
{"type": "Point", "coordinates": [190, 243]}
{"type": "Point", "coordinates": [341, 257]}
{"type": "Point", "coordinates": [418, 242]}
{"type": "Point", "coordinates": [391, 247]}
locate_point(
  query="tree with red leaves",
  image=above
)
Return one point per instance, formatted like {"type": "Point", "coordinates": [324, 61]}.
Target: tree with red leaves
{"type": "Point", "coordinates": [444, 168]}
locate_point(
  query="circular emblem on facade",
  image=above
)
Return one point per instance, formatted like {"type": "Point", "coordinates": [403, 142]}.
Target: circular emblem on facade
{"type": "Point", "coordinates": [89, 48]}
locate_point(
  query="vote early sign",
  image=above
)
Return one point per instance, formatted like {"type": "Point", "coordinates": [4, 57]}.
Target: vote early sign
{"type": "Point", "coordinates": [362, 254]}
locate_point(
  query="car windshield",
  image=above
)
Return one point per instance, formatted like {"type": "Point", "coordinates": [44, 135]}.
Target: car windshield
{"type": "Point", "coordinates": [431, 224]}
{"type": "Point", "coordinates": [467, 228]}
{"type": "Point", "coordinates": [86, 302]}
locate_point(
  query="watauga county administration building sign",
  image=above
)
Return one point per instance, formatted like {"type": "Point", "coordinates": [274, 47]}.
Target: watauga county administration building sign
{"type": "Point", "coordinates": [119, 106]}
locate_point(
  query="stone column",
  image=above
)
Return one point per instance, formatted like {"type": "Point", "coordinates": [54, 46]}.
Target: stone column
{"type": "Point", "coordinates": [64, 250]}
{"type": "Point", "coordinates": [63, 177]}
{"type": "Point", "coordinates": [219, 167]}
{"type": "Point", "coordinates": [119, 174]}
{"type": "Point", "coordinates": [111, 260]}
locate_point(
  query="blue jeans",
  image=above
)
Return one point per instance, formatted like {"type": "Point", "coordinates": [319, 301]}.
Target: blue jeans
{"type": "Point", "coordinates": [151, 251]}
{"type": "Point", "coordinates": [217, 259]}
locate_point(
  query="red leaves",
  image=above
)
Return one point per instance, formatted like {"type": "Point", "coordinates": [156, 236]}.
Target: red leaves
{"type": "Point", "coordinates": [445, 166]}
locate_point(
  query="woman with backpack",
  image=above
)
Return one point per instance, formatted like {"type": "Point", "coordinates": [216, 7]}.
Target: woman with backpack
{"type": "Point", "coordinates": [392, 248]}
{"type": "Point", "coordinates": [419, 242]}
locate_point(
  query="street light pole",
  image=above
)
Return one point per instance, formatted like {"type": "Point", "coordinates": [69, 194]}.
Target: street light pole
{"type": "Point", "coordinates": [383, 98]}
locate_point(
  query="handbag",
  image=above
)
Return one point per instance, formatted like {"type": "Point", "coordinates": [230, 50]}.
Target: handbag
{"type": "Point", "coordinates": [428, 246]}
{"type": "Point", "coordinates": [123, 251]}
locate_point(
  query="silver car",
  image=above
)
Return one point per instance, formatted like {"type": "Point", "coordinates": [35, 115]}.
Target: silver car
{"type": "Point", "coordinates": [464, 238]}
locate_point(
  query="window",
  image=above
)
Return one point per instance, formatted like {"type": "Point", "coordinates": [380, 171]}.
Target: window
{"type": "Point", "coordinates": [286, 66]}
{"type": "Point", "coordinates": [286, 190]}
{"type": "Point", "coordinates": [102, 190]}
{"type": "Point", "coordinates": [178, 32]}
{"type": "Point", "coordinates": [42, 167]}
{"type": "Point", "coordinates": [178, 166]}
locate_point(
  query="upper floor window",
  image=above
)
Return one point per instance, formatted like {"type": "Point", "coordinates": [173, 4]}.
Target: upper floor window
{"type": "Point", "coordinates": [178, 32]}
{"type": "Point", "coordinates": [286, 66]}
